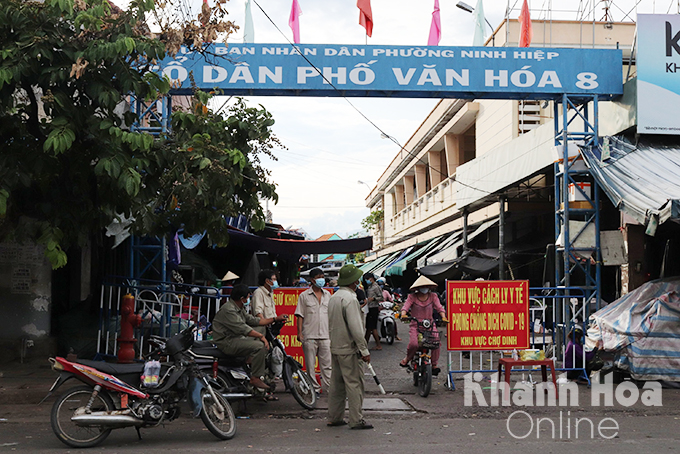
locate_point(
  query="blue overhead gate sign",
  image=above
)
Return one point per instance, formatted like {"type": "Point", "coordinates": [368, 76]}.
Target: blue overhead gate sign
{"type": "Point", "coordinates": [397, 71]}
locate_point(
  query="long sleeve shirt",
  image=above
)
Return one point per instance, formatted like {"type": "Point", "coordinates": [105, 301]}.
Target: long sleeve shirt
{"type": "Point", "coordinates": [232, 322]}
{"type": "Point", "coordinates": [374, 291]}
{"type": "Point", "coordinates": [346, 324]}
{"type": "Point", "coordinates": [422, 309]}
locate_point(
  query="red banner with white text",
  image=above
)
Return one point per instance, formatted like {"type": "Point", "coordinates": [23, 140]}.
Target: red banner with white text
{"type": "Point", "coordinates": [487, 315]}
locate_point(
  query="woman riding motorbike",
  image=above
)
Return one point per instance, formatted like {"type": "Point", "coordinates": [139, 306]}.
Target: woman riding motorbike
{"type": "Point", "coordinates": [421, 302]}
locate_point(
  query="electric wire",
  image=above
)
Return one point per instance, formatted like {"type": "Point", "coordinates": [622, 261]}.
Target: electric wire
{"type": "Point", "coordinates": [383, 133]}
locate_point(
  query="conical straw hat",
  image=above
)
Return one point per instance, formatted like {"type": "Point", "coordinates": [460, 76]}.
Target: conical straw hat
{"type": "Point", "coordinates": [422, 281]}
{"type": "Point", "coordinates": [229, 276]}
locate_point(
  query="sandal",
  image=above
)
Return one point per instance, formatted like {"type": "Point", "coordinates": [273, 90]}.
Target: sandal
{"type": "Point", "coordinates": [269, 397]}
{"type": "Point", "coordinates": [402, 364]}
{"type": "Point", "coordinates": [378, 347]}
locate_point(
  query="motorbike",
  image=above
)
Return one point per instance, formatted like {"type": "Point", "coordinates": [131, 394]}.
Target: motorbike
{"type": "Point", "coordinates": [83, 416]}
{"type": "Point", "coordinates": [233, 373]}
{"type": "Point", "coordinates": [421, 363]}
{"type": "Point", "coordinates": [387, 325]}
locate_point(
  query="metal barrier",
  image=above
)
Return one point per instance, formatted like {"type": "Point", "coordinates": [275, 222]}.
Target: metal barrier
{"type": "Point", "coordinates": [166, 308]}
{"type": "Point", "coordinates": [553, 311]}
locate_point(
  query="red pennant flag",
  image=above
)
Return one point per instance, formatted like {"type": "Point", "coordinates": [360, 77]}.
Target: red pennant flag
{"type": "Point", "coordinates": [365, 16]}
{"type": "Point", "coordinates": [525, 31]}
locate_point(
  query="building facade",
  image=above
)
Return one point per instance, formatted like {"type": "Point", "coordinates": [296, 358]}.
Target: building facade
{"type": "Point", "coordinates": [471, 160]}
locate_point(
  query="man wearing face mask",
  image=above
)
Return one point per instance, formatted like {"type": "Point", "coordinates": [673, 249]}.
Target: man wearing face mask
{"type": "Point", "coordinates": [234, 333]}
{"type": "Point", "coordinates": [348, 348]}
{"type": "Point", "coordinates": [421, 304]}
{"type": "Point", "coordinates": [312, 328]}
{"type": "Point", "coordinates": [263, 305]}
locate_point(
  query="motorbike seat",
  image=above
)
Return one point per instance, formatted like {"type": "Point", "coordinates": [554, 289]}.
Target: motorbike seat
{"type": "Point", "coordinates": [207, 348]}
{"type": "Point", "coordinates": [114, 369]}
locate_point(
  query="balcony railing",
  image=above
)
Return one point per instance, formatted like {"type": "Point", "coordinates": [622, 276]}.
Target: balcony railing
{"type": "Point", "coordinates": [429, 204]}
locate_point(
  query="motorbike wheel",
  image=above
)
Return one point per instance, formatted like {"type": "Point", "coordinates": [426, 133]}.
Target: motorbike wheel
{"type": "Point", "coordinates": [222, 382]}
{"type": "Point", "coordinates": [221, 423]}
{"type": "Point", "coordinates": [69, 432]}
{"type": "Point", "coordinates": [425, 383]}
{"type": "Point", "coordinates": [389, 335]}
{"type": "Point", "coordinates": [301, 386]}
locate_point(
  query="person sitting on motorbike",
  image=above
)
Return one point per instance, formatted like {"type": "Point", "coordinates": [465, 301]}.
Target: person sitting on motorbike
{"type": "Point", "coordinates": [233, 333]}
{"type": "Point", "coordinates": [421, 303]}
{"type": "Point", "coordinates": [382, 282]}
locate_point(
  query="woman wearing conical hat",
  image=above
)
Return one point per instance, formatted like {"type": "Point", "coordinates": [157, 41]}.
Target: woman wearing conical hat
{"type": "Point", "coordinates": [421, 302]}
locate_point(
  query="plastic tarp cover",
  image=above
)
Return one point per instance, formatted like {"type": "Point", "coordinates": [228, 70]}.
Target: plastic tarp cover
{"type": "Point", "coordinates": [641, 180]}
{"type": "Point", "coordinates": [643, 328]}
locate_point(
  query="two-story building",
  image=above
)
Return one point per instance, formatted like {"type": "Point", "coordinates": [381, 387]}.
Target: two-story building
{"type": "Point", "coordinates": [443, 192]}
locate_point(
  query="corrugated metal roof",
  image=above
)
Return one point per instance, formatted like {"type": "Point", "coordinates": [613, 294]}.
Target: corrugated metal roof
{"type": "Point", "coordinates": [642, 180]}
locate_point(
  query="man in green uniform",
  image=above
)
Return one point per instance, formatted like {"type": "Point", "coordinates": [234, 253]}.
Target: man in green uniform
{"type": "Point", "coordinates": [348, 346]}
{"type": "Point", "coordinates": [233, 333]}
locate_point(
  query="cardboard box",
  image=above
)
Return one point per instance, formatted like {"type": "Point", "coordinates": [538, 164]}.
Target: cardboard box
{"type": "Point", "coordinates": [576, 196]}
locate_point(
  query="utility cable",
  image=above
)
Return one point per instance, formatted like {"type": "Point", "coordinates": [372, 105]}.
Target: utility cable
{"type": "Point", "coordinates": [383, 133]}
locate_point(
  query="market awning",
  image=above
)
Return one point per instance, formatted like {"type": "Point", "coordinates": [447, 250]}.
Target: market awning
{"type": "Point", "coordinates": [397, 268]}
{"type": "Point", "coordinates": [472, 265]}
{"type": "Point", "coordinates": [370, 266]}
{"type": "Point", "coordinates": [379, 270]}
{"type": "Point", "coordinates": [449, 251]}
{"type": "Point", "coordinates": [298, 247]}
{"type": "Point", "coordinates": [641, 180]}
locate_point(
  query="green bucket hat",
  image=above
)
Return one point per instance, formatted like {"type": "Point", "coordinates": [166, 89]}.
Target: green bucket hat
{"type": "Point", "coordinates": [348, 274]}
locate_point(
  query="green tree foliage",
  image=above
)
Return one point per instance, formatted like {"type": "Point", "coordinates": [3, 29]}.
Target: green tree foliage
{"type": "Point", "coordinates": [70, 163]}
{"type": "Point", "coordinates": [373, 220]}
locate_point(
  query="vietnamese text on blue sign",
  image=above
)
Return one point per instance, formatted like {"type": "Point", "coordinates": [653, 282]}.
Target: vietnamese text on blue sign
{"type": "Point", "coordinates": [398, 71]}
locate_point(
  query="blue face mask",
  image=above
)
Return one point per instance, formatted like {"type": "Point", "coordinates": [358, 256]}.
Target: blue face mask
{"type": "Point", "coordinates": [424, 290]}
{"type": "Point", "coordinates": [320, 282]}
{"type": "Point", "coordinates": [275, 285]}
{"type": "Point", "coordinates": [246, 306]}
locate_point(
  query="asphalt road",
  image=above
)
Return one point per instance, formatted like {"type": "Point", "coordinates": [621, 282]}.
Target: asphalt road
{"type": "Point", "coordinates": [637, 435]}
{"type": "Point", "coordinates": [404, 423]}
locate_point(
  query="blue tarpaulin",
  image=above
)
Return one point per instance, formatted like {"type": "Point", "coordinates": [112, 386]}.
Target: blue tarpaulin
{"type": "Point", "coordinates": [643, 329]}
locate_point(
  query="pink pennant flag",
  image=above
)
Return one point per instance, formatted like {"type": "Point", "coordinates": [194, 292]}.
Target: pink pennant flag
{"type": "Point", "coordinates": [294, 21]}
{"type": "Point", "coordinates": [525, 30]}
{"type": "Point", "coordinates": [435, 27]}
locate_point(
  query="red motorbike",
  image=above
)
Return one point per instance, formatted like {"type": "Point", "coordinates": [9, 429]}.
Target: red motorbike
{"type": "Point", "coordinates": [85, 415]}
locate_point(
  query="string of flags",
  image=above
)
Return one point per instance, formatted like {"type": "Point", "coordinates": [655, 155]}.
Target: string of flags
{"type": "Point", "coordinates": [366, 21]}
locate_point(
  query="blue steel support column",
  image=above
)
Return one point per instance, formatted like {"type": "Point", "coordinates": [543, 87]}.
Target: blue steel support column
{"type": "Point", "coordinates": [564, 212]}
{"type": "Point", "coordinates": [140, 263]}
{"type": "Point", "coordinates": [565, 191]}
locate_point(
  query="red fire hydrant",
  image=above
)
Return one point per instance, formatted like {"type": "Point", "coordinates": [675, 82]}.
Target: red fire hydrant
{"type": "Point", "coordinates": [128, 321]}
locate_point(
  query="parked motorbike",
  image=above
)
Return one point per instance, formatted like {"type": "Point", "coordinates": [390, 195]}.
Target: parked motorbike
{"type": "Point", "coordinates": [387, 325]}
{"type": "Point", "coordinates": [85, 415]}
{"type": "Point", "coordinates": [421, 364]}
{"type": "Point", "coordinates": [233, 374]}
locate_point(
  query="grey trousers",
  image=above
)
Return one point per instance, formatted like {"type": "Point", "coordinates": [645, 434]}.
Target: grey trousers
{"type": "Point", "coordinates": [247, 346]}
{"type": "Point", "coordinates": [320, 348]}
{"type": "Point", "coordinates": [347, 382]}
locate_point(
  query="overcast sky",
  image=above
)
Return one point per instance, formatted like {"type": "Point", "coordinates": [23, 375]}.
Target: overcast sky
{"type": "Point", "coordinates": [330, 146]}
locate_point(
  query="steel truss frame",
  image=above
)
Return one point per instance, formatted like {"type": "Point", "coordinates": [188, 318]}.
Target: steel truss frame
{"type": "Point", "coordinates": [577, 266]}
{"type": "Point", "coordinates": [148, 254]}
